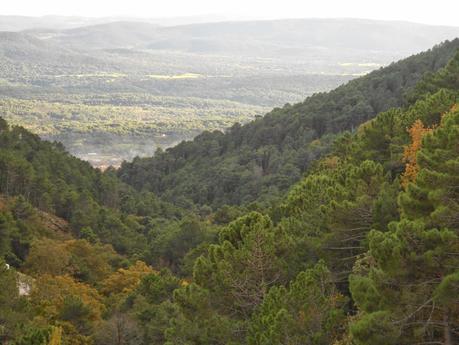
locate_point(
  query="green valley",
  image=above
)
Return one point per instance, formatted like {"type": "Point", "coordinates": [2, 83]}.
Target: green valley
{"type": "Point", "coordinates": [329, 221]}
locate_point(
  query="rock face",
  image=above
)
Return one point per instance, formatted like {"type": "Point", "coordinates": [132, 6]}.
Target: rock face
{"type": "Point", "coordinates": [24, 284]}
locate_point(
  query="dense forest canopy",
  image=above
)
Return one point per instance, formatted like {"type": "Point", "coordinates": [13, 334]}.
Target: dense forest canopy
{"type": "Point", "coordinates": [361, 250]}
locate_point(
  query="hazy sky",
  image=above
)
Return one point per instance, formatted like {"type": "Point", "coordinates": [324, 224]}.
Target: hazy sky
{"type": "Point", "coordinates": [443, 12]}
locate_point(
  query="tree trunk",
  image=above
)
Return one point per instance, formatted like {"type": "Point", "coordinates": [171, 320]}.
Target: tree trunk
{"type": "Point", "coordinates": [447, 330]}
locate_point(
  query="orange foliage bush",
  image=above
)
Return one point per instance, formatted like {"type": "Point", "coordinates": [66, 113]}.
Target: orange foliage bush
{"type": "Point", "coordinates": [417, 132]}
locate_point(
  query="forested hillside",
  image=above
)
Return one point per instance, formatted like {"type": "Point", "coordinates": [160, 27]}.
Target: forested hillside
{"type": "Point", "coordinates": [262, 159]}
{"type": "Point", "coordinates": [363, 250]}
{"type": "Point", "coordinates": [96, 205]}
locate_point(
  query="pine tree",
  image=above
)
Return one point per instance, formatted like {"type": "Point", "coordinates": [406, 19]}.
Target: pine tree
{"type": "Point", "coordinates": [308, 311]}
{"type": "Point", "coordinates": [350, 214]}
{"type": "Point", "coordinates": [247, 261]}
{"type": "Point", "coordinates": [434, 197]}
{"type": "Point", "coordinates": [197, 321]}
{"type": "Point", "coordinates": [407, 287]}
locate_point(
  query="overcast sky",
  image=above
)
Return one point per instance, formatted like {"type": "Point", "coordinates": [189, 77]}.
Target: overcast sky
{"type": "Point", "coordinates": [440, 12]}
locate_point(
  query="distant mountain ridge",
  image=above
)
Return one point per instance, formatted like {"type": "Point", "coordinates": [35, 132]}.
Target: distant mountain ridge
{"type": "Point", "coordinates": [274, 38]}
{"type": "Point", "coordinates": [59, 22]}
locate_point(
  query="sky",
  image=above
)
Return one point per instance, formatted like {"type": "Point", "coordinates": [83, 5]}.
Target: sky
{"type": "Point", "coordinates": [438, 12]}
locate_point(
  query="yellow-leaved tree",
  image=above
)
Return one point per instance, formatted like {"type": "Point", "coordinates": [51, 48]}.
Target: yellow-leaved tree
{"type": "Point", "coordinates": [124, 281]}
{"type": "Point", "coordinates": [63, 301]}
{"type": "Point", "coordinates": [56, 336]}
